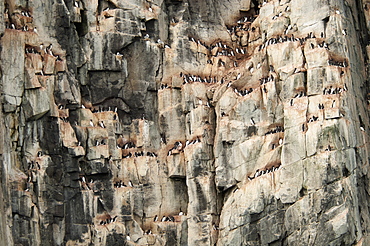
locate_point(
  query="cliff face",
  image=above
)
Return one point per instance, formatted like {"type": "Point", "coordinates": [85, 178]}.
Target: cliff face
{"type": "Point", "coordinates": [184, 122]}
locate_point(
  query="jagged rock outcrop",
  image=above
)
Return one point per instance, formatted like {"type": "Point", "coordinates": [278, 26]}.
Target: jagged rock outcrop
{"type": "Point", "coordinates": [183, 122]}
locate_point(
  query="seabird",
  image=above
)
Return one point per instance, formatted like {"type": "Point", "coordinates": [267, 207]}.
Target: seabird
{"type": "Point", "coordinates": [163, 219]}
{"type": "Point", "coordinates": [280, 141]}
{"type": "Point", "coordinates": [344, 32]}
{"type": "Point", "coordinates": [179, 145]}
{"type": "Point", "coordinates": [181, 213]}
{"type": "Point", "coordinates": [91, 123]}
{"type": "Point", "coordinates": [252, 121]}
{"type": "Point", "coordinates": [146, 36]}
{"type": "Point", "coordinates": [128, 237]}
{"type": "Point", "coordinates": [76, 4]}
{"type": "Point", "coordinates": [256, 173]}
{"type": "Point", "coordinates": [114, 218]}
{"type": "Point", "coordinates": [150, 9]}
{"type": "Point", "coordinates": [238, 76]}
{"type": "Point", "coordinates": [155, 218]}
{"type": "Point", "coordinates": [101, 123]}
{"type": "Point", "coordinates": [130, 183]}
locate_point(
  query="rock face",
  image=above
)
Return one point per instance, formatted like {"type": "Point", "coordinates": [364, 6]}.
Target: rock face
{"type": "Point", "coordinates": [184, 122]}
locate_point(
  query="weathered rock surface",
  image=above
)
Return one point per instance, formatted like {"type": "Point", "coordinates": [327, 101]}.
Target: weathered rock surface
{"type": "Point", "coordinates": [184, 122]}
